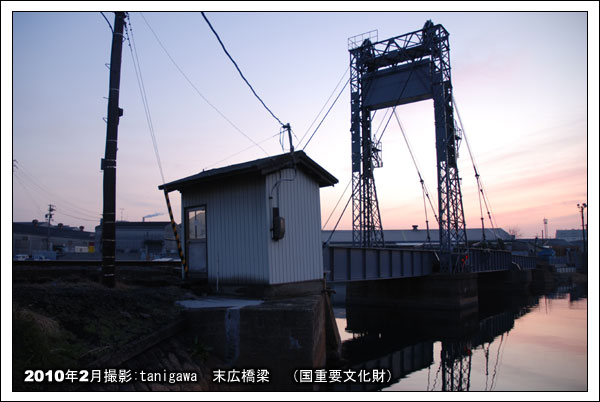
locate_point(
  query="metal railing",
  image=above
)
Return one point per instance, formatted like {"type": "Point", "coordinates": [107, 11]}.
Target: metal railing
{"type": "Point", "coordinates": [485, 260]}
{"type": "Point", "coordinates": [357, 40]}
{"type": "Point", "coordinates": [525, 262]}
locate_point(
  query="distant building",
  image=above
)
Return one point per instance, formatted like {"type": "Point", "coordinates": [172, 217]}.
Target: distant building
{"type": "Point", "coordinates": [416, 237]}
{"type": "Point", "coordinates": [257, 222]}
{"type": "Point", "coordinates": [140, 239]}
{"type": "Point", "coordinates": [31, 237]}
{"type": "Point", "coordinates": [572, 235]}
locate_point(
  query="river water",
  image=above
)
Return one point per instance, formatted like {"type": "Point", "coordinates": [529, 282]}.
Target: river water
{"type": "Point", "coordinates": [511, 343]}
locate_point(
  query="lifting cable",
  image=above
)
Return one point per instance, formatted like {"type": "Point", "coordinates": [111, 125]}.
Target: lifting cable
{"type": "Point", "coordinates": [326, 114]}
{"type": "Point", "coordinates": [486, 353]}
{"type": "Point", "coordinates": [424, 188]}
{"type": "Point", "coordinates": [385, 116]}
{"type": "Point", "coordinates": [386, 125]}
{"type": "Point", "coordinates": [325, 104]}
{"type": "Point", "coordinates": [337, 203]}
{"type": "Point", "coordinates": [396, 105]}
{"type": "Point", "coordinates": [340, 93]}
{"type": "Point", "coordinates": [338, 222]}
{"type": "Point", "coordinates": [482, 194]}
{"type": "Point", "coordinates": [498, 358]}
{"type": "Point", "coordinates": [142, 88]}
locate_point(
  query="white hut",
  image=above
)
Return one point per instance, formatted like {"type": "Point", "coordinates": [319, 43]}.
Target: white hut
{"type": "Point", "coordinates": [254, 223]}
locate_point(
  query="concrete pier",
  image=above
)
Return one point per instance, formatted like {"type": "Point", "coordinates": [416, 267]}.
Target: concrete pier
{"type": "Point", "coordinates": [436, 292]}
{"type": "Point", "coordinates": [543, 278]}
{"type": "Point", "coordinates": [512, 281]}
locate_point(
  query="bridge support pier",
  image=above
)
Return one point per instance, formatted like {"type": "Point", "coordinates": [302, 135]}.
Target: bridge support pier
{"type": "Point", "coordinates": [511, 281]}
{"type": "Point", "coordinates": [438, 292]}
{"type": "Point", "coordinates": [543, 279]}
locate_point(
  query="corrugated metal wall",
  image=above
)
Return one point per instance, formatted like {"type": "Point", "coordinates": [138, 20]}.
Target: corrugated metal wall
{"type": "Point", "coordinates": [298, 256]}
{"type": "Point", "coordinates": [237, 229]}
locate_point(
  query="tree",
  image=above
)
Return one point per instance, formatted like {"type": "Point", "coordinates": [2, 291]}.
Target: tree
{"type": "Point", "coordinates": [514, 231]}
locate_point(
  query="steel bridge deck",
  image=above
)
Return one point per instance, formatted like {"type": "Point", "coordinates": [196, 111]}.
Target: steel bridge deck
{"type": "Point", "coordinates": [347, 263]}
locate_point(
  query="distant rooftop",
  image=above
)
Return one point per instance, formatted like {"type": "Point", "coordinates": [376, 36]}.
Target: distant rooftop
{"type": "Point", "coordinates": [417, 235]}
{"type": "Point", "coordinates": [260, 167]}
{"type": "Point", "coordinates": [550, 242]}
{"type": "Point", "coordinates": [28, 228]}
{"type": "Point", "coordinates": [138, 224]}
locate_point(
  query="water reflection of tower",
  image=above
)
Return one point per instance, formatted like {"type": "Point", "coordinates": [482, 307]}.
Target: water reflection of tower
{"type": "Point", "coordinates": [456, 366]}
{"type": "Point", "coordinates": [386, 343]}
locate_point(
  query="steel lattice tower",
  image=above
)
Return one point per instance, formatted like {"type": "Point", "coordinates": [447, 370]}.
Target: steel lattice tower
{"type": "Point", "coordinates": [453, 232]}
{"type": "Point", "coordinates": [366, 219]}
{"type": "Point", "coordinates": [404, 69]}
{"type": "Point", "coordinates": [455, 361]}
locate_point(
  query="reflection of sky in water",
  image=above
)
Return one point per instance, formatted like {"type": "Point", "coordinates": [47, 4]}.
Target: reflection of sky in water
{"type": "Point", "coordinates": [545, 351]}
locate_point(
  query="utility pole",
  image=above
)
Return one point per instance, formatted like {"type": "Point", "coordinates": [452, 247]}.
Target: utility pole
{"type": "Point", "coordinates": [109, 162]}
{"type": "Point", "coordinates": [581, 208]}
{"type": "Point", "coordinates": [49, 215]}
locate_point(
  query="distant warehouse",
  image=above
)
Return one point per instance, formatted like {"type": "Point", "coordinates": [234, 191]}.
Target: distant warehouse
{"type": "Point", "coordinates": [146, 240]}
{"type": "Point", "coordinates": [34, 236]}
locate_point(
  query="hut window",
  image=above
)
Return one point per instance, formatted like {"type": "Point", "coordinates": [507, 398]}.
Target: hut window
{"type": "Point", "coordinates": [197, 223]}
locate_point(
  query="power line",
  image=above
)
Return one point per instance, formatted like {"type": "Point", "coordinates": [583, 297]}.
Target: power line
{"type": "Point", "coordinates": [29, 195]}
{"type": "Point", "coordinates": [73, 211]}
{"type": "Point", "coordinates": [58, 212]}
{"type": "Point", "coordinates": [238, 69]}
{"type": "Point", "coordinates": [108, 22]}
{"type": "Point", "coordinates": [70, 206]}
{"type": "Point", "coordinates": [239, 152]}
{"type": "Point", "coordinates": [140, 81]}
{"type": "Point", "coordinates": [196, 88]}
{"type": "Point", "coordinates": [31, 180]}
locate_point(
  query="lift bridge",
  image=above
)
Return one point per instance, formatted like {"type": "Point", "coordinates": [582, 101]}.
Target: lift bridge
{"type": "Point", "coordinates": [397, 71]}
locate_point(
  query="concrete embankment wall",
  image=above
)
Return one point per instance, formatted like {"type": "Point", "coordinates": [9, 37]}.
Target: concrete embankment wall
{"type": "Point", "coordinates": [280, 335]}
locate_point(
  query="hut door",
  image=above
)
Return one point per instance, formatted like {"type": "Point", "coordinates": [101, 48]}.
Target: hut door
{"type": "Point", "coordinates": [197, 255]}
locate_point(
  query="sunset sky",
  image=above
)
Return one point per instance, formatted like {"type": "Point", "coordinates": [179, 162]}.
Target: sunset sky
{"type": "Point", "coordinates": [520, 81]}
